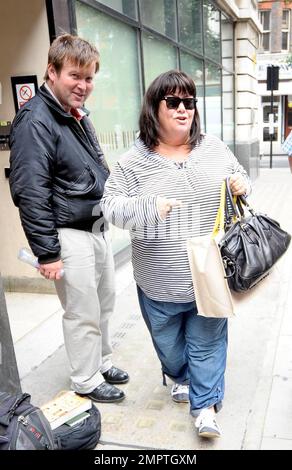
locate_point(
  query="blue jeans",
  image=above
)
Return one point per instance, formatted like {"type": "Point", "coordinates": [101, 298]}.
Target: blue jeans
{"type": "Point", "coordinates": [192, 349]}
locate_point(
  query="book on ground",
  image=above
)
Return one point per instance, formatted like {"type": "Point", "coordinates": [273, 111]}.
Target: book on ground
{"type": "Point", "coordinates": [64, 407]}
{"type": "Point", "coordinates": [77, 419]}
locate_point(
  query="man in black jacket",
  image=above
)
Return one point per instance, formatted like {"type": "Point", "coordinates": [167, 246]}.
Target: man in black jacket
{"type": "Point", "coordinates": [57, 179]}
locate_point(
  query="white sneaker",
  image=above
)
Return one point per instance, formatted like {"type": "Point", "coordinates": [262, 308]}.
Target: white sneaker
{"type": "Point", "coordinates": [180, 393]}
{"type": "Point", "coordinates": [206, 424]}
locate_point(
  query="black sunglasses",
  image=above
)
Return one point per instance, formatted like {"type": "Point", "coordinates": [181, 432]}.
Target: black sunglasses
{"type": "Point", "coordinates": [173, 102]}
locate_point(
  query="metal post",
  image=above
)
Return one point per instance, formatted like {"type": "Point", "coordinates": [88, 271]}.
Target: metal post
{"type": "Point", "coordinates": [272, 133]}
{"type": "Point", "coordinates": [9, 377]}
{"type": "Point", "coordinates": [272, 84]}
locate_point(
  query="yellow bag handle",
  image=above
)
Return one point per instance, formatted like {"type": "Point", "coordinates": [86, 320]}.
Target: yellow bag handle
{"type": "Point", "coordinates": [219, 221]}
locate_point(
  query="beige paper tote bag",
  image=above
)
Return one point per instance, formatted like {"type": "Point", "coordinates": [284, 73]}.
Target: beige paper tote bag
{"type": "Point", "coordinates": [213, 297]}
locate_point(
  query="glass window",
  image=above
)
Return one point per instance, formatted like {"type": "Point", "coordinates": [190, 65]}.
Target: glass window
{"type": "Point", "coordinates": [285, 29]}
{"type": "Point", "coordinates": [116, 99]}
{"type": "Point", "coordinates": [127, 7]}
{"type": "Point", "coordinates": [284, 41]}
{"type": "Point", "coordinates": [190, 24]}
{"type": "Point", "coordinates": [160, 16]}
{"type": "Point", "coordinates": [194, 67]}
{"type": "Point", "coordinates": [114, 117]}
{"type": "Point", "coordinates": [285, 19]}
{"type": "Point", "coordinates": [212, 31]}
{"type": "Point", "coordinates": [213, 100]}
{"type": "Point", "coordinates": [159, 56]}
{"type": "Point", "coordinates": [267, 99]}
{"type": "Point", "coordinates": [267, 111]}
{"type": "Point", "coordinates": [266, 135]}
{"type": "Point", "coordinates": [266, 41]}
{"type": "Point", "coordinates": [265, 17]}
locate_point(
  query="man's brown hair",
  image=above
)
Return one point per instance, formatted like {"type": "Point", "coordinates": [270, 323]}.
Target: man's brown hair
{"type": "Point", "coordinates": [73, 49]}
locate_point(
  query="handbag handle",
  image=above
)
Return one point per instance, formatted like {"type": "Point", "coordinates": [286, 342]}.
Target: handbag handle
{"type": "Point", "coordinates": [234, 210]}
{"type": "Point", "coordinates": [237, 203]}
{"type": "Point", "coordinates": [243, 202]}
{"type": "Point", "coordinates": [225, 195]}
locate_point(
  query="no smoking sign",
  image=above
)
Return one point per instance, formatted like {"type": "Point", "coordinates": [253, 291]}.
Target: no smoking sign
{"type": "Point", "coordinates": [24, 88]}
{"type": "Point", "coordinates": [24, 93]}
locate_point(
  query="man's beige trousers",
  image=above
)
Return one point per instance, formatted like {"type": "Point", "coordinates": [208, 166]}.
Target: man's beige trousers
{"type": "Point", "coordinates": [87, 295]}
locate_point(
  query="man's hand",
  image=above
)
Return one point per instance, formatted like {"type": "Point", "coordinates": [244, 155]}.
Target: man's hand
{"type": "Point", "coordinates": [237, 184]}
{"type": "Point", "coordinates": [51, 270]}
{"type": "Point", "coordinates": [165, 206]}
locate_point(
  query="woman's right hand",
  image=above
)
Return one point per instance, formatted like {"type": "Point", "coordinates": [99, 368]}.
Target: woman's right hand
{"type": "Point", "coordinates": [165, 205]}
{"type": "Point", "coordinates": [237, 184]}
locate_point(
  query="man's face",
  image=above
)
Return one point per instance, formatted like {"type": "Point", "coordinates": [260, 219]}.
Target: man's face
{"type": "Point", "coordinates": [72, 85]}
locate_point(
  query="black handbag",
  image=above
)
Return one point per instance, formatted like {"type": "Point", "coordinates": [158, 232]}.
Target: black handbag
{"type": "Point", "coordinates": [252, 244]}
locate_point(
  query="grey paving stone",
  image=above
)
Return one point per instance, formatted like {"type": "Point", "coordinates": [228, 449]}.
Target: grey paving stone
{"type": "Point", "coordinates": [276, 444]}
{"type": "Point", "coordinates": [278, 422]}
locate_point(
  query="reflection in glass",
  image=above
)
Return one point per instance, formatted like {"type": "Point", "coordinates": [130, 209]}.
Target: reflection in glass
{"type": "Point", "coordinates": [213, 100]}
{"type": "Point", "coordinates": [127, 7]}
{"type": "Point", "coordinates": [159, 56]}
{"type": "Point", "coordinates": [266, 134]}
{"type": "Point", "coordinates": [211, 31]}
{"type": "Point", "coordinates": [267, 112]}
{"type": "Point", "coordinates": [194, 67]}
{"type": "Point", "coordinates": [266, 41]}
{"type": "Point", "coordinates": [190, 24]}
{"type": "Point", "coordinates": [267, 99]}
{"type": "Point", "coordinates": [160, 16]}
{"type": "Point", "coordinates": [284, 40]}
{"type": "Point", "coordinates": [285, 19]}
{"type": "Point", "coordinates": [265, 17]}
{"type": "Point", "coordinates": [115, 101]}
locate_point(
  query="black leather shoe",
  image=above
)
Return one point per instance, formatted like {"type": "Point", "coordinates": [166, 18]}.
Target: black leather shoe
{"type": "Point", "coordinates": [105, 393]}
{"type": "Point", "coordinates": [116, 376]}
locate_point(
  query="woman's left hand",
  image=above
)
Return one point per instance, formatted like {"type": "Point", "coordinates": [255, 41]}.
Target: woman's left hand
{"type": "Point", "coordinates": [237, 184]}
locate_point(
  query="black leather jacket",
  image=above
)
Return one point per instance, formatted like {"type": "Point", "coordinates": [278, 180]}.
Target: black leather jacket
{"type": "Point", "coordinates": [57, 175]}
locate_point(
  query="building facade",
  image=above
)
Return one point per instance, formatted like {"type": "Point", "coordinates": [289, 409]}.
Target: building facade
{"type": "Point", "coordinates": [214, 41]}
{"type": "Point", "coordinates": [275, 49]}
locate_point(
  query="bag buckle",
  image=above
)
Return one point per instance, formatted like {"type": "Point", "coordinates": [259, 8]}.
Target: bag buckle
{"type": "Point", "coordinates": [227, 263]}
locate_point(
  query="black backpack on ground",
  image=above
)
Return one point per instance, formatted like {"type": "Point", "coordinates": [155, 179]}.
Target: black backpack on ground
{"type": "Point", "coordinates": [81, 436]}
{"type": "Point", "coordinates": [23, 426]}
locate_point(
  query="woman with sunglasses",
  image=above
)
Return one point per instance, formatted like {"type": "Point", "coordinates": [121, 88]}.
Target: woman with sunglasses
{"type": "Point", "coordinates": [166, 189]}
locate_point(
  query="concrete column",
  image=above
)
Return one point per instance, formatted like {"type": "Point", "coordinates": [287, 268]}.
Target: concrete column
{"type": "Point", "coordinates": [246, 102]}
{"type": "Point", "coordinates": [9, 378]}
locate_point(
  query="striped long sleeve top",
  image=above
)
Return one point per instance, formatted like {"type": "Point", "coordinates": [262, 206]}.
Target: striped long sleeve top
{"type": "Point", "coordinates": [159, 251]}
